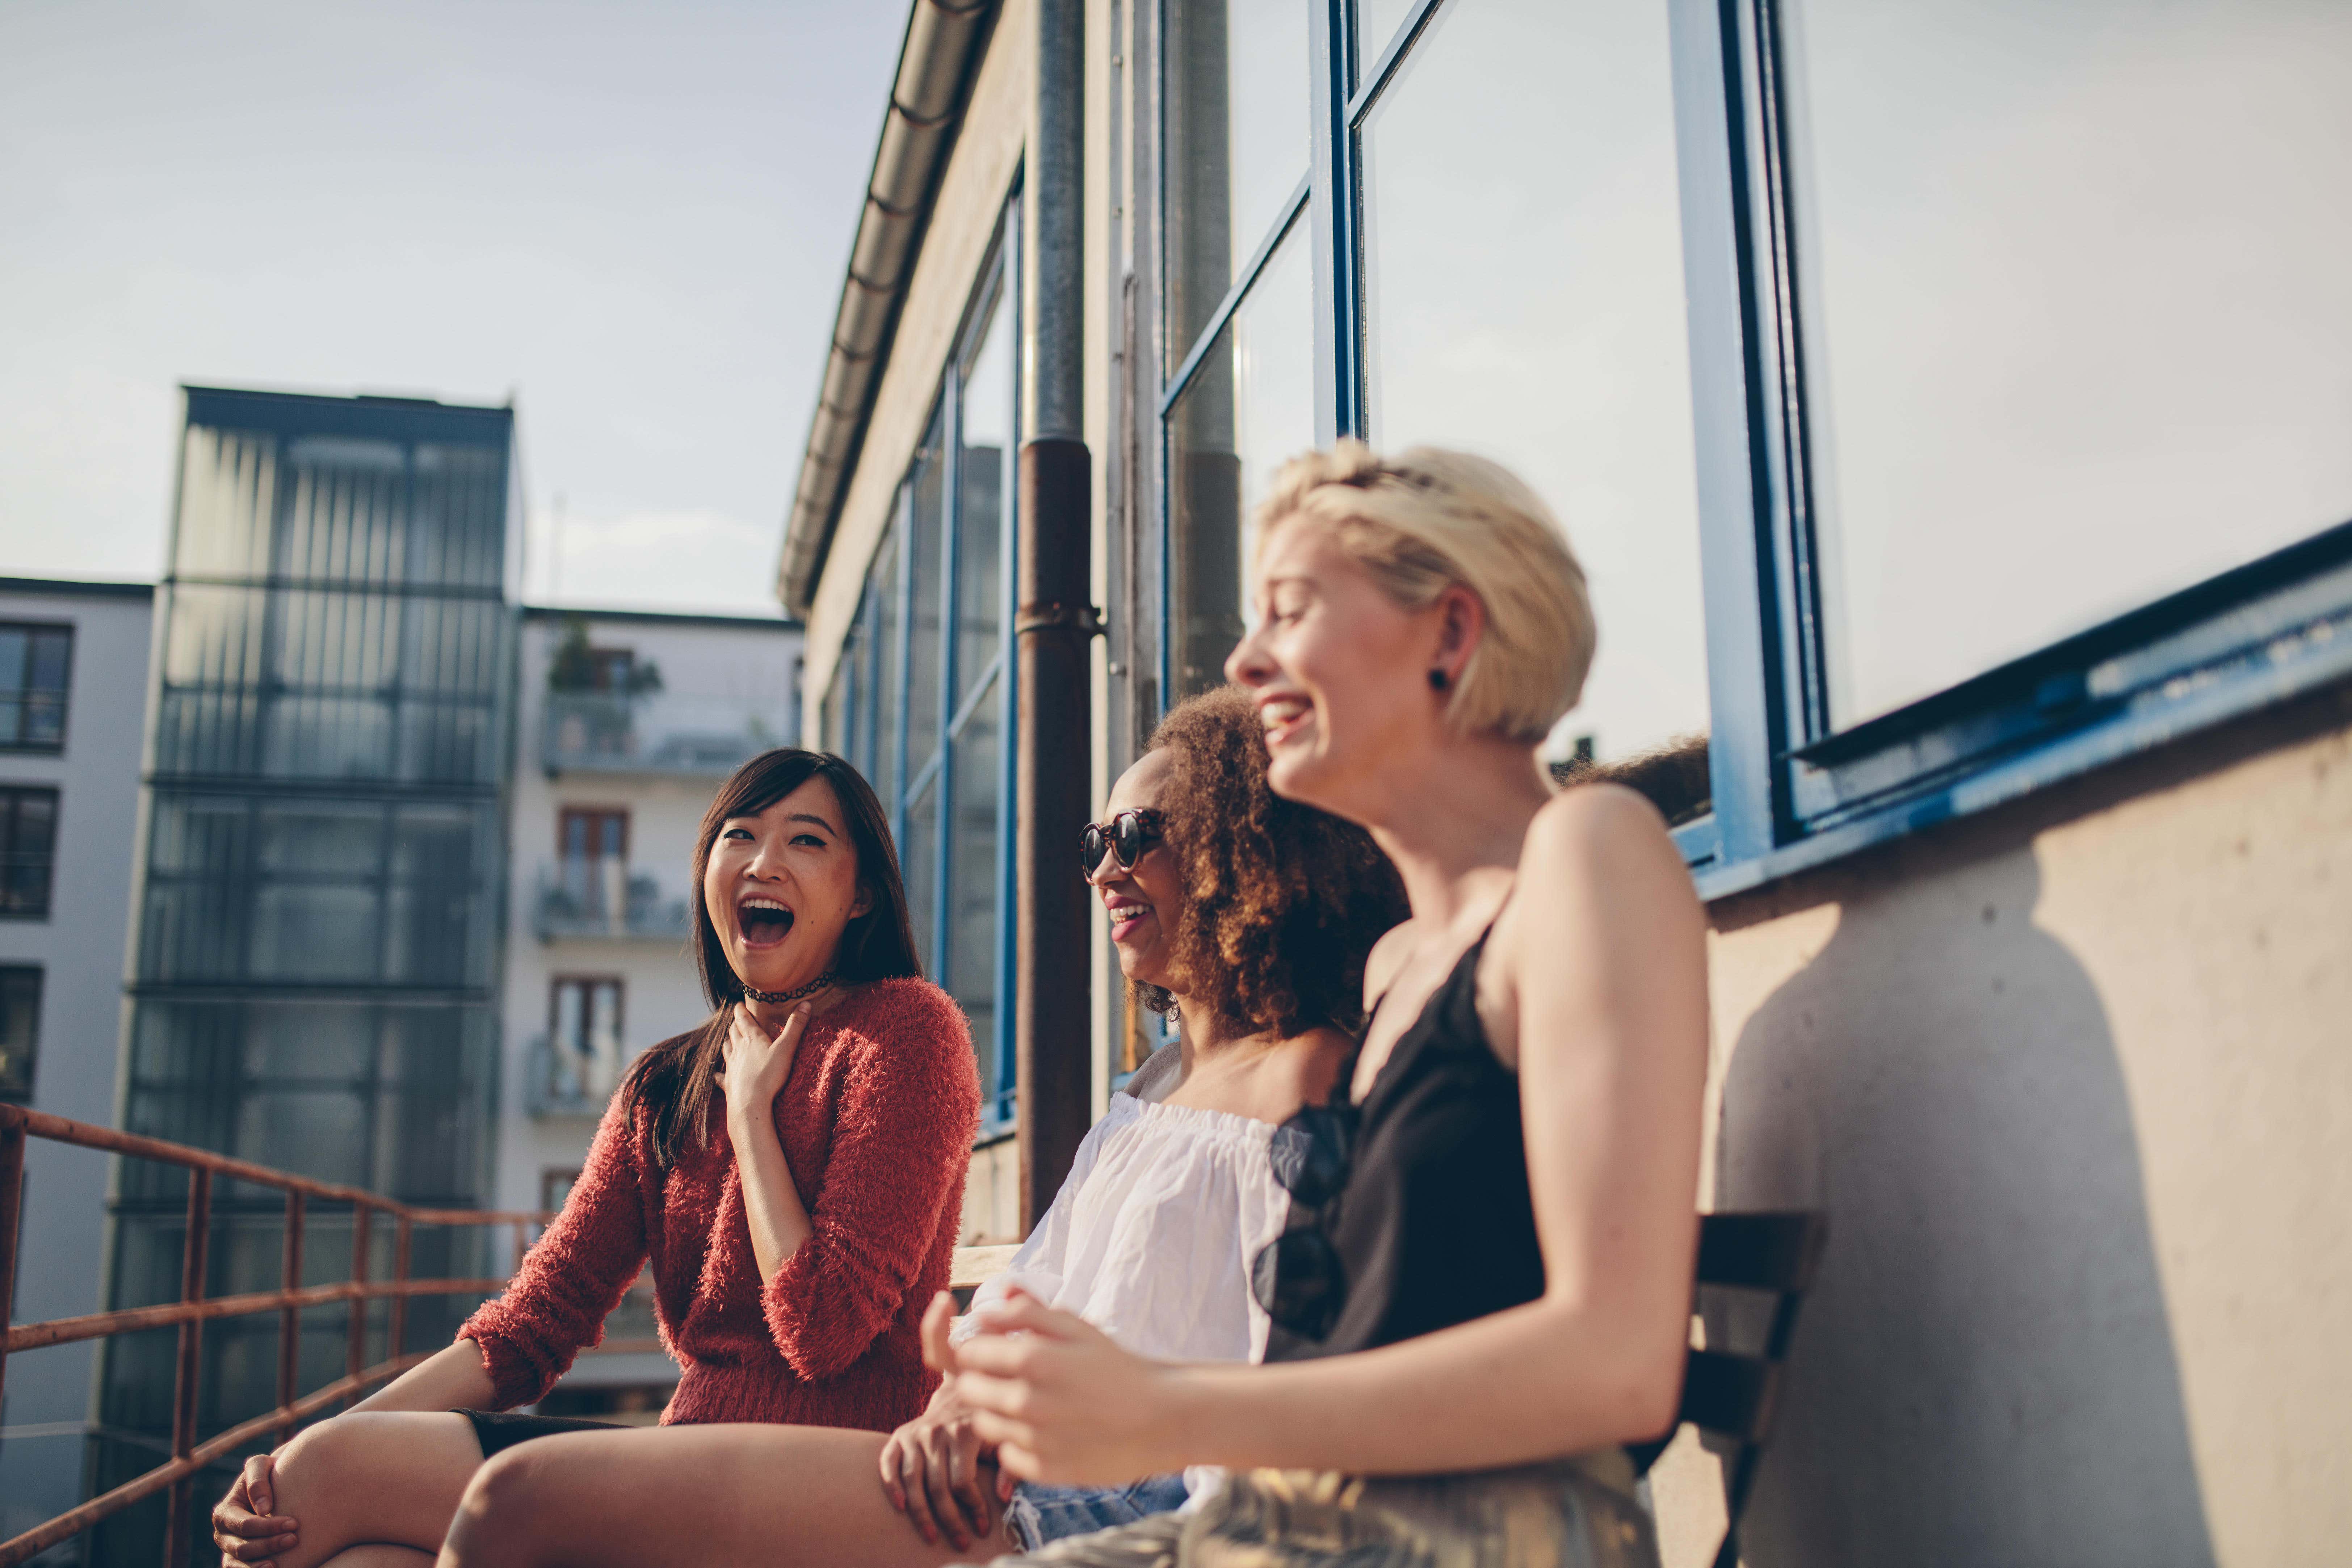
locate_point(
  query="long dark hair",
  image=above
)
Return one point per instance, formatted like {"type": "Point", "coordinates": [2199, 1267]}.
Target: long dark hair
{"type": "Point", "coordinates": [671, 1082]}
{"type": "Point", "coordinates": [1282, 901]}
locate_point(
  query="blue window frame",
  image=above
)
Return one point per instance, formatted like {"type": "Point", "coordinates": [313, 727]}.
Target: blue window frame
{"type": "Point", "coordinates": [922, 694]}
{"type": "Point", "coordinates": [1821, 740]}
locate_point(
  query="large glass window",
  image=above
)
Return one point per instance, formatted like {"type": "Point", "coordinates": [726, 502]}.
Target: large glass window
{"type": "Point", "coordinates": [922, 713]}
{"type": "Point", "coordinates": [34, 665]}
{"type": "Point", "coordinates": [1489, 253]}
{"type": "Point", "coordinates": [1523, 298]}
{"type": "Point", "coordinates": [1248, 407]}
{"type": "Point", "coordinates": [2078, 331]}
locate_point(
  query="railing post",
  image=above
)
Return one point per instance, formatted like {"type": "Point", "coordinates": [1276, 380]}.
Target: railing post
{"type": "Point", "coordinates": [361, 1214]}
{"type": "Point", "coordinates": [401, 1234]}
{"type": "Point", "coordinates": [12, 1193]}
{"type": "Point", "coordinates": [184, 1382]}
{"type": "Point", "coordinates": [289, 1322]}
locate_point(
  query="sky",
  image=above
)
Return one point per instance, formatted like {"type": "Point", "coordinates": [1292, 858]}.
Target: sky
{"type": "Point", "coordinates": [632, 218]}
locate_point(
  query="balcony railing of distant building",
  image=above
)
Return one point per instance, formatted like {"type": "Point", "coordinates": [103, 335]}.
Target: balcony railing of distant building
{"type": "Point", "coordinates": [193, 1311]}
{"type": "Point", "coordinates": [584, 896]}
{"type": "Point", "coordinates": [567, 1080]}
{"type": "Point", "coordinates": [658, 732]}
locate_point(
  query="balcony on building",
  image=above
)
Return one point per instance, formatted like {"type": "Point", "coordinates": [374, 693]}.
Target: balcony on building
{"type": "Point", "coordinates": [667, 733]}
{"type": "Point", "coordinates": [598, 896]}
{"type": "Point", "coordinates": [563, 1078]}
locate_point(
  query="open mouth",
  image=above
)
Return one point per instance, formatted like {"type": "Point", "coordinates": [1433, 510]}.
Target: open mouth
{"type": "Point", "coordinates": [1283, 718]}
{"type": "Point", "coordinates": [765, 921]}
{"type": "Point", "coordinates": [1125, 918]}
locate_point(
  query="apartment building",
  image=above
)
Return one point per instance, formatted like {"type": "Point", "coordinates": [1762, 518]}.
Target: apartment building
{"type": "Point", "coordinates": [73, 687]}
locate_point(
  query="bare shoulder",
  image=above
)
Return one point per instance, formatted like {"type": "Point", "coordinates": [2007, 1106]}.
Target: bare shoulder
{"type": "Point", "coordinates": [1598, 860]}
{"type": "Point", "coordinates": [1601, 829]}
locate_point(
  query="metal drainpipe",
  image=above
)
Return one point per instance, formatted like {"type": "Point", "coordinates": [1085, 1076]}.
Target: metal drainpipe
{"type": "Point", "coordinates": [1053, 1021]}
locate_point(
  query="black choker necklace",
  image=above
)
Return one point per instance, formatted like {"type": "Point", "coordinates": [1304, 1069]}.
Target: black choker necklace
{"type": "Point", "coordinates": [777, 998]}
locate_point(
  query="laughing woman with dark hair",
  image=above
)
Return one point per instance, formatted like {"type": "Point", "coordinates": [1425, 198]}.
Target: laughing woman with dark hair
{"type": "Point", "coordinates": [793, 1168]}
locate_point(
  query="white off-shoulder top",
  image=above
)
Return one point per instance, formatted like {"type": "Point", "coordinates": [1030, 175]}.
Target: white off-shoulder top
{"type": "Point", "coordinates": [1151, 1236]}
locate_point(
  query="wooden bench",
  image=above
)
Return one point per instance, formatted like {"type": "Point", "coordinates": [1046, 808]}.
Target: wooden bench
{"type": "Point", "coordinates": [1727, 1395]}
{"type": "Point", "coordinates": [974, 1267]}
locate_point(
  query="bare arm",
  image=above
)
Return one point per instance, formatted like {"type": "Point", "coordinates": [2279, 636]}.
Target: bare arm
{"type": "Point", "coordinates": [1607, 961]}
{"type": "Point", "coordinates": [453, 1378]}
{"type": "Point", "coordinates": [757, 1067]}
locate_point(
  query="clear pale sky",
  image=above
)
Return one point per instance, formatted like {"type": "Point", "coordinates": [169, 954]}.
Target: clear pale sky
{"type": "Point", "coordinates": [633, 217]}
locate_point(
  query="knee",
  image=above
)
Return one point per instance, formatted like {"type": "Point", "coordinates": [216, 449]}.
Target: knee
{"type": "Point", "coordinates": [493, 1523]}
{"type": "Point", "coordinates": [323, 1460]}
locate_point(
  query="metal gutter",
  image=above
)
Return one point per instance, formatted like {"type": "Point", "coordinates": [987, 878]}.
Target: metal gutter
{"type": "Point", "coordinates": [934, 61]}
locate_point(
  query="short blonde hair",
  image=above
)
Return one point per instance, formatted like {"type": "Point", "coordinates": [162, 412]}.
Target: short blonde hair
{"type": "Point", "coordinates": [1427, 519]}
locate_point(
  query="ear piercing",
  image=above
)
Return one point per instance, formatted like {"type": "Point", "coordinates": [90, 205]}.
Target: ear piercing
{"type": "Point", "coordinates": [1439, 681]}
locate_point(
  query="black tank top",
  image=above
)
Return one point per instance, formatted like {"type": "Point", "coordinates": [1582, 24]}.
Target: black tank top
{"type": "Point", "coordinates": [1435, 1226]}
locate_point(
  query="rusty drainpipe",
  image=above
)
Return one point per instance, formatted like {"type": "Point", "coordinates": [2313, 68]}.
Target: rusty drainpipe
{"type": "Point", "coordinates": [1056, 621]}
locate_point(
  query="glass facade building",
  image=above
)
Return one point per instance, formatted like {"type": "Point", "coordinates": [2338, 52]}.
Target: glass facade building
{"type": "Point", "coordinates": [315, 945]}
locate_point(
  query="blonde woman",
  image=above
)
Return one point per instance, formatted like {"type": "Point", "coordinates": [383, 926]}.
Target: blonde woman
{"type": "Point", "coordinates": [1484, 1291]}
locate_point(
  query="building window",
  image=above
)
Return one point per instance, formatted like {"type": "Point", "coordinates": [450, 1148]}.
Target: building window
{"type": "Point", "coordinates": [28, 844]}
{"type": "Point", "coordinates": [555, 1184]}
{"type": "Point", "coordinates": [592, 850]}
{"type": "Point", "coordinates": [1922, 442]}
{"type": "Point", "coordinates": [1483, 251]}
{"type": "Point", "coordinates": [922, 694]}
{"type": "Point", "coordinates": [584, 1033]}
{"type": "Point", "coordinates": [35, 669]}
{"type": "Point", "coordinates": [20, 1030]}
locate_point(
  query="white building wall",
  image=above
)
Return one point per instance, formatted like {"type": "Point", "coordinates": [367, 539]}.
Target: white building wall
{"type": "Point", "coordinates": [711, 668]}
{"type": "Point", "coordinates": [80, 946]}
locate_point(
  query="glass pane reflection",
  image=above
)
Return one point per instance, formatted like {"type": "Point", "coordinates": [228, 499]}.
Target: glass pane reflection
{"type": "Point", "coordinates": [1238, 136]}
{"type": "Point", "coordinates": [986, 480]}
{"type": "Point", "coordinates": [1523, 249]}
{"type": "Point", "coordinates": [2078, 334]}
{"type": "Point", "coordinates": [1376, 24]}
{"type": "Point", "coordinates": [1248, 409]}
{"type": "Point", "coordinates": [926, 537]}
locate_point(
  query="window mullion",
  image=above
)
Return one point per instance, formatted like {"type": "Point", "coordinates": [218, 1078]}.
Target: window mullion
{"type": "Point", "coordinates": [1744, 656]}
{"type": "Point", "coordinates": [1331, 212]}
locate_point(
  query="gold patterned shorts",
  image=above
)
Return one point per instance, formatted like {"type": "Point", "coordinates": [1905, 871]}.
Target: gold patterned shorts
{"type": "Point", "coordinates": [1564, 1513]}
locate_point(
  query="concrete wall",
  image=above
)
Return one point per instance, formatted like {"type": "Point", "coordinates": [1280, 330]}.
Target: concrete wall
{"type": "Point", "coordinates": [80, 949]}
{"type": "Point", "coordinates": [2075, 1085]}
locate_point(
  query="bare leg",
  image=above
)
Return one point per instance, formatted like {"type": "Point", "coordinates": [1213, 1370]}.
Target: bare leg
{"type": "Point", "coordinates": [380, 1557]}
{"type": "Point", "coordinates": [369, 1479]}
{"type": "Point", "coordinates": [718, 1497]}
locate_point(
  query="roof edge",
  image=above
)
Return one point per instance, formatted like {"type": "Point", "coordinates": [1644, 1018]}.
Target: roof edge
{"type": "Point", "coordinates": [919, 130]}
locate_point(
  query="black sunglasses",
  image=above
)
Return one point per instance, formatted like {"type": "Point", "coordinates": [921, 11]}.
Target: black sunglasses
{"type": "Point", "coordinates": [1299, 1276]}
{"type": "Point", "coordinates": [1129, 835]}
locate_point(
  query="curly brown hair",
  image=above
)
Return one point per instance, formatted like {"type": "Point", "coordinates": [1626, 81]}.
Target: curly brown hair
{"type": "Point", "coordinates": [1282, 902]}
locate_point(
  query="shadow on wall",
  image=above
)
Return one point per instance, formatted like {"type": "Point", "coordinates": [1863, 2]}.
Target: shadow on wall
{"type": "Point", "coordinates": [1985, 1370]}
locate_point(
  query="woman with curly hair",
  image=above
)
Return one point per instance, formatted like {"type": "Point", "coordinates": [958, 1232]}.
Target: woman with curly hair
{"type": "Point", "coordinates": [1249, 919]}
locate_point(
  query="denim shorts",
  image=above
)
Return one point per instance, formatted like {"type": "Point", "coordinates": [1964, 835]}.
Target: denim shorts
{"type": "Point", "coordinates": [1038, 1514]}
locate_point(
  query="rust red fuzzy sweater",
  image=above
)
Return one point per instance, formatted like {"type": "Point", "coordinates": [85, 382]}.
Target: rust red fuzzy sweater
{"type": "Point", "coordinates": [876, 1122]}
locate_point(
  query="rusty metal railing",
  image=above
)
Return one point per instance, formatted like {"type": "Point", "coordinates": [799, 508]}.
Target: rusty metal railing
{"type": "Point", "coordinates": [193, 1311]}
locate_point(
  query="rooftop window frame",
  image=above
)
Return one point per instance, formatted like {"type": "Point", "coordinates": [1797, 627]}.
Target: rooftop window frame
{"type": "Point", "coordinates": [923, 767]}
{"type": "Point", "coordinates": [1793, 790]}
